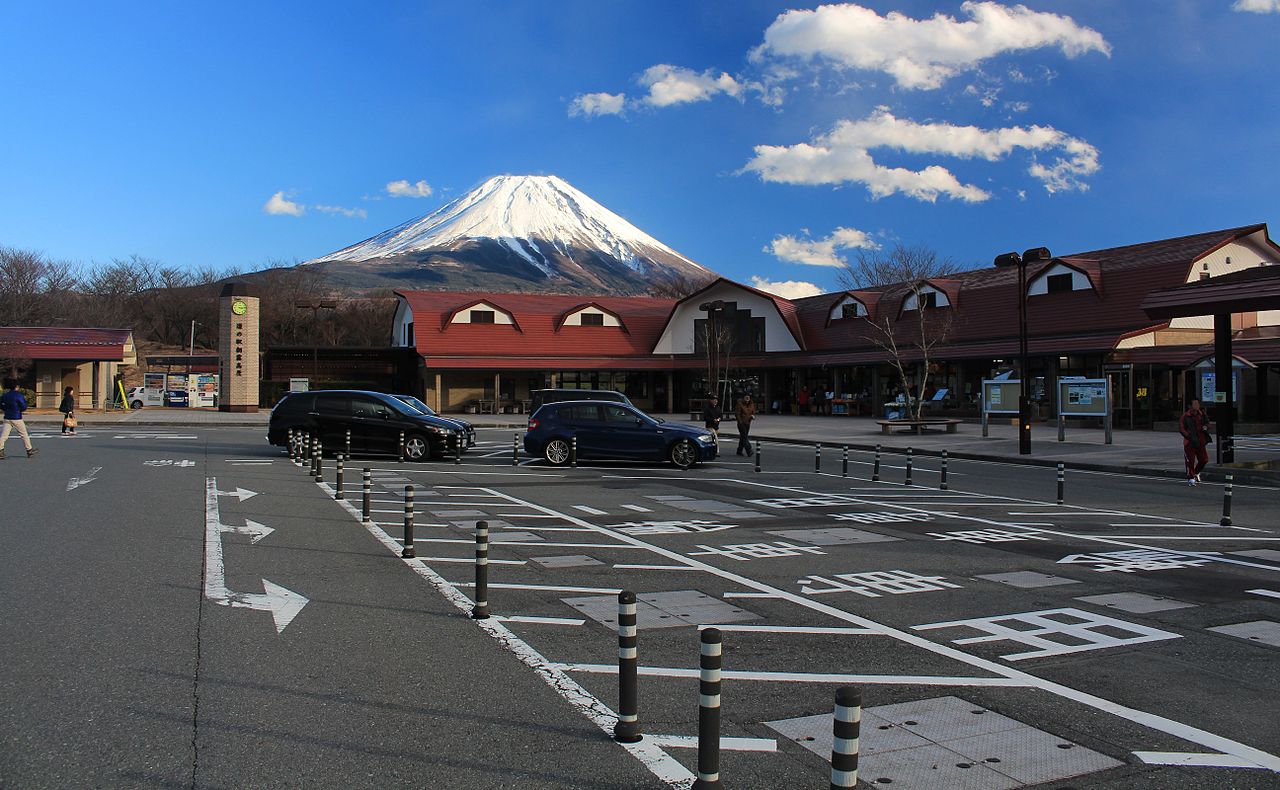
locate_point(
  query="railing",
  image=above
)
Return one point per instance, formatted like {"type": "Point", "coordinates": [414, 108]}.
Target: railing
{"type": "Point", "coordinates": [1262, 442]}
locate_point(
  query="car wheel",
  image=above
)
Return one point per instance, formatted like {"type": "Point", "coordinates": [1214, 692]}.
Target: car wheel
{"type": "Point", "coordinates": [136, 405]}
{"type": "Point", "coordinates": [416, 448]}
{"type": "Point", "coordinates": [556, 452]}
{"type": "Point", "coordinates": [684, 454]}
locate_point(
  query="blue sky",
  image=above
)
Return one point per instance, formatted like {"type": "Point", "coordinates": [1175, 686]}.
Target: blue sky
{"type": "Point", "coordinates": [759, 139]}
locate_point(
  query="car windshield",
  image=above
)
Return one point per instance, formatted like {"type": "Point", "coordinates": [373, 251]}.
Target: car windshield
{"type": "Point", "coordinates": [415, 403]}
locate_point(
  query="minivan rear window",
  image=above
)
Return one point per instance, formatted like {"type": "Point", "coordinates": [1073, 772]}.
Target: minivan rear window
{"type": "Point", "coordinates": [295, 403]}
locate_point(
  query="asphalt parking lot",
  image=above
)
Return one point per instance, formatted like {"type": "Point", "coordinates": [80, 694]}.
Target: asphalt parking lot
{"type": "Point", "coordinates": [187, 607]}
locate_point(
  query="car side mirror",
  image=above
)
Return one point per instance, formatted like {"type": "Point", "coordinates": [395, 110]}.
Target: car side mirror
{"type": "Point", "coordinates": [386, 415]}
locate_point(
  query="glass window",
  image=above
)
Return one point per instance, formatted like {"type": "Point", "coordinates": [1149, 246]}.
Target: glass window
{"type": "Point", "coordinates": [333, 404]}
{"type": "Point", "coordinates": [1057, 283]}
{"type": "Point", "coordinates": [620, 414]}
{"type": "Point", "coordinates": [580, 413]}
{"type": "Point", "coordinates": [482, 316]}
{"type": "Point", "coordinates": [849, 310]}
{"type": "Point", "coordinates": [368, 407]}
{"type": "Point", "coordinates": [592, 319]}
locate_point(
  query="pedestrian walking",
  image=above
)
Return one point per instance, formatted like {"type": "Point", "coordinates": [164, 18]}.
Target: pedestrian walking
{"type": "Point", "coordinates": [1194, 427]}
{"type": "Point", "coordinates": [802, 401]}
{"type": "Point", "coordinates": [13, 405]}
{"type": "Point", "coordinates": [712, 414]}
{"type": "Point", "coordinates": [744, 413]}
{"type": "Point", "coordinates": [68, 409]}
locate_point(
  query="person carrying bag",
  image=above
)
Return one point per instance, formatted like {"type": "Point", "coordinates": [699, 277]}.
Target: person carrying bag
{"type": "Point", "coordinates": [68, 409]}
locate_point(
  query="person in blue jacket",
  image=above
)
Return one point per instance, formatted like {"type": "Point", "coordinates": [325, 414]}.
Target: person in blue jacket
{"type": "Point", "coordinates": [14, 405]}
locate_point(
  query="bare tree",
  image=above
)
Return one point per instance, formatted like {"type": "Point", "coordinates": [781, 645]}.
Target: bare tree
{"type": "Point", "coordinates": [904, 276]}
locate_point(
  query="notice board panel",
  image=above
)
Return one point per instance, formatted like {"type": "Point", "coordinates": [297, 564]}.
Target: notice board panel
{"type": "Point", "coordinates": [1001, 396]}
{"type": "Point", "coordinates": [1083, 398]}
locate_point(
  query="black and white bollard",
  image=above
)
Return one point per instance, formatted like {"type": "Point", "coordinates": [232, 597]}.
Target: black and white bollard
{"type": "Point", "coordinates": [457, 449]}
{"type": "Point", "coordinates": [1226, 503]}
{"type": "Point", "coordinates": [844, 460]}
{"type": "Point", "coordinates": [817, 457]}
{"type": "Point", "coordinates": [875, 468]}
{"type": "Point", "coordinates": [408, 552]}
{"type": "Point", "coordinates": [319, 475]}
{"type": "Point", "coordinates": [710, 660]}
{"type": "Point", "coordinates": [293, 455]}
{"type": "Point", "coordinates": [400, 457]}
{"type": "Point", "coordinates": [573, 451]}
{"type": "Point", "coordinates": [366, 514]}
{"type": "Point", "coordinates": [942, 475]}
{"type": "Point", "coordinates": [627, 730]}
{"type": "Point", "coordinates": [337, 478]}
{"type": "Point", "coordinates": [846, 726]}
{"type": "Point", "coordinates": [1062, 481]}
{"type": "Point", "coordinates": [757, 454]}
{"type": "Point", "coordinates": [347, 453]}
{"type": "Point", "coordinates": [515, 450]}
{"type": "Point", "coordinates": [907, 482]}
{"type": "Point", "coordinates": [481, 609]}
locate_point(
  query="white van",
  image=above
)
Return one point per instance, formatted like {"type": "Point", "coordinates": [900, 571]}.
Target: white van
{"type": "Point", "coordinates": [145, 396]}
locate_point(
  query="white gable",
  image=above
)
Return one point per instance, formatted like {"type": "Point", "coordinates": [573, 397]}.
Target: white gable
{"type": "Point", "coordinates": [837, 312]}
{"type": "Point", "coordinates": [575, 318]}
{"type": "Point", "coordinates": [941, 299]}
{"type": "Point", "coordinates": [1040, 285]}
{"type": "Point", "coordinates": [678, 337]}
{"type": "Point", "coordinates": [500, 316]}
{"type": "Point", "coordinates": [402, 326]}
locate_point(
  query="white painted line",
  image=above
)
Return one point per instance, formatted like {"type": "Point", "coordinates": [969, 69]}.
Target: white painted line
{"type": "Point", "coordinates": [1220, 538]}
{"type": "Point", "coordinates": [541, 543]}
{"type": "Point", "coordinates": [1195, 759]}
{"type": "Point", "coordinates": [543, 587]}
{"type": "Point", "coordinates": [804, 677]}
{"type": "Point", "coordinates": [1201, 524]}
{"type": "Point", "coordinates": [794, 629]}
{"type": "Point", "coordinates": [650, 755]}
{"type": "Point", "coordinates": [539, 620]}
{"type": "Point", "coordinates": [638, 509]}
{"type": "Point", "coordinates": [654, 568]}
{"type": "Point", "coordinates": [1267, 593]}
{"type": "Point", "coordinates": [470, 560]}
{"type": "Point", "coordinates": [749, 595]}
{"type": "Point", "coordinates": [536, 528]}
{"type": "Point", "coordinates": [726, 744]}
{"type": "Point", "coordinates": [527, 515]}
{"type": "Point", "coordinates": [590, 510]}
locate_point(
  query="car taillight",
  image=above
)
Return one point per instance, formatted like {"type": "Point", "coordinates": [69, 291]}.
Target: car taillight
{"type": "Point", "coordinates": [533, 424]}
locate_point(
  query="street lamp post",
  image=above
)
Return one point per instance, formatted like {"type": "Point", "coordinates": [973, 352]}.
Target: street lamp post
{"type": "Point", "coordinates": [713, 345]}
{"type": "Point", "coordinates": [315, 306]}
{"type": "Point", "coordinates": [1034, 255]}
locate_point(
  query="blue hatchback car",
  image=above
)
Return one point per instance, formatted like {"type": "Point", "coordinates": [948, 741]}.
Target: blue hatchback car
{"type": "Point", "coordinates": [609, 430]}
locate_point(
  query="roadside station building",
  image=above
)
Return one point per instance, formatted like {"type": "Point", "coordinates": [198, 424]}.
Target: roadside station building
{"type": "Point", "coordinates": [87, 359]}
{"type": "Point", "coordinates": [486, 351]}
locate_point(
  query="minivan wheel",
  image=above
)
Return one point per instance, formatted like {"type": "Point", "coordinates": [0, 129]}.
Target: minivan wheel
{"type": "Point", "coordinates": [416, 448]}
{"type": "Point", "coordinates": [556, 452]}
{"type": "Point", "coordinates": [684, 454]}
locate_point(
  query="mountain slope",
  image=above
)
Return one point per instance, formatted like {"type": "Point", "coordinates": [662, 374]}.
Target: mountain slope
{"type": "Point", "coordinates": [524, 233]}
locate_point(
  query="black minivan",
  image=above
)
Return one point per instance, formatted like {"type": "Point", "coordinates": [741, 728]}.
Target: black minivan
{"type": "Point", "coordinates": [376, 421]}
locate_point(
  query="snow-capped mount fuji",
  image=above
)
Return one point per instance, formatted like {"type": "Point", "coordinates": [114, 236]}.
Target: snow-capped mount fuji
{"type": "Point", "coordinates": [514, 233]}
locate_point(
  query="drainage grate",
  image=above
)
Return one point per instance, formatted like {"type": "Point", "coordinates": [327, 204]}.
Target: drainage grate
{"type": "Point", "coordinates": [1138, 603]}
{"type": "Point", "coordinates": [1027, 579]}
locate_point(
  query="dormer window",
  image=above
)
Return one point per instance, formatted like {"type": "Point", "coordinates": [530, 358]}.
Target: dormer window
{"type": "Point", "coordinates": [847, 307]}
{"type": "Point", "coordinates": [482, 313]}
{"type": "Point", "coordinates": [930, 297]}
{"type": "Point", "coordinates": [481, 316]}
{"type": "Point", "coordinates": [849, 310]}
{"type": "Point", "coordinates": [1058, 279]}
{"type": "Point", "coordinates": [591, 319]}
{"type": "Point", "coordinates": [1058, 283]}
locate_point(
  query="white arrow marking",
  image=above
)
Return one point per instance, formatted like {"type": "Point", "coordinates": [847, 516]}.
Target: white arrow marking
{"type": "Point", "coordinates": [240, 493]}
{"type": "Point", "coordinates": [76, 482]}
{"type": "Point", "coordinates": [252, 528]}
{"type": "Point", "coordinates": [283, 603]}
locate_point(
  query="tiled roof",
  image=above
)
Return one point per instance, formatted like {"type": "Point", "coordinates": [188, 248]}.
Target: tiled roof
{"type": "Point", "coordinates": [59, 342]}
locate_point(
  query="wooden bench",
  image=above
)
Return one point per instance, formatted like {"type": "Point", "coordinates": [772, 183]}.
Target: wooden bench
{"type": "Point", "coordinates": [919, 426]}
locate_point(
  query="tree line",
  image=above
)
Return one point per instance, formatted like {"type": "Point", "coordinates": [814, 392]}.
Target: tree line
{"type": "Point", "coordinates": [159, 302]}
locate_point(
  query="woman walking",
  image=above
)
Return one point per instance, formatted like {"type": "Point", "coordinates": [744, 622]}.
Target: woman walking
{"type": "Point", "coordinates": [744, 412]}
{"type": "Point", "coordinates": [68, 409]}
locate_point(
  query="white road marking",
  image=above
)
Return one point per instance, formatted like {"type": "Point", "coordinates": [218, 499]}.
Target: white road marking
{"type": "Point", "coordinates": [803, 677]}
{"type": "Point", "coordinates": [543, 587]}
{"type": "Point", "coordinates": [1267, 593]}
{"type": "Point", "coordinates": [649, 754]}
{"type": "Point", "coordinates": [540, 620]}
{"type": "Point", "coordinates": [726, 744]}
{"type": "Point", "coordinates": [792, 629]}
{"type": "Point", "coordinates": [748, 595]}
{"type": "Point", "coordinates": [1194, 759]}
{"type": "Point", "coordinates": [540, 543]}
{"type": "Point", "coordinates": [471, 560]}
{"type": "Point", "coordinates": [638, 508]}
{"type": "Point", "coordinates": [76, 482]}
{"type": "Point", "coordinates": [590, 510]}
{"type": "Point", "coordinates": [654, 568]}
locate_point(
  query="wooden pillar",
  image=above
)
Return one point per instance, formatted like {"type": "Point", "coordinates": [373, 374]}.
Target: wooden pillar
{"type": "Point", "coordinates": [497, 392]}
{"type": "Point", "coordinates": [439, 395]}
{"type": "Point", "coordinates": [671, 392]}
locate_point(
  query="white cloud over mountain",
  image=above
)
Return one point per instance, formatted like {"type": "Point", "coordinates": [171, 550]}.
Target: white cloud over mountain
{"type": "Point", "coordinates": [670, 85]}
{"type": "Point", "coordinates": [592, 104]}
{"type": "Point", "coordinates": [403, 188]}
{"type": "Point", "coordinates": [843, 155]}
{"type": "Point", "coordinates": [787, 289]}
{"type": "Point", "coordinates": [1257, 6]}
{"type": "Point", "coordinates": [923, 53]}
{"type": "Point", "coordinates": [819, 252]}
{"type": "Point", "coordinates": [279, 205]}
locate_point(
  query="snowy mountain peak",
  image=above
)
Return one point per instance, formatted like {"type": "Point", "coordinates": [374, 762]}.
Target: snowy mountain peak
{"type": "Point", "coordinates": [539, 219]}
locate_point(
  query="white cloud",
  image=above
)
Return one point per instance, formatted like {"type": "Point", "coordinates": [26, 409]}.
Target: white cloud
{"type": "Point", "coordinates": [787, 289]}
{"type": "Point", "coordinates": [591, 104]}
{"type": "Point", "coordinates": [843, 155]}
{"type": "Point", "coordinates": [346, 212]}
{"type": "Point", "coordinates": [819, 252]}
{"type": "Point", "coordinates": [923, 53]}
{"type": "Point", "coordinates": [1257, 6]}
{"type": "Point", "coordinates": [670, 85]}
{"type": "Point", "coordinates": [403, 188]}
{"type": "Point", "coordinates": [279, 204]}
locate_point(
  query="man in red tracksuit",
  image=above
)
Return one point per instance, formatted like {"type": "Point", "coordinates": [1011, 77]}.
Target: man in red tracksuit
{"type": "Point", "coordinates": [1194, 427]}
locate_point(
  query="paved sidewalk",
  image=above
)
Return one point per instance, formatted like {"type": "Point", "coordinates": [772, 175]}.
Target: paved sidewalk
{"type": "Point", "coordinates": [1145, 452]}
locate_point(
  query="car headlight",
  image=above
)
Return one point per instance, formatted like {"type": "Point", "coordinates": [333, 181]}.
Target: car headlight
{"type": "Point", "coordinates": [706, 438]}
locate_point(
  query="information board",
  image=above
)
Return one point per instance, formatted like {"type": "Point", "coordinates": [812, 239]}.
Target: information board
{"type": "Point", "coordinates": [1000, 396]}
{"type": "Point", "coordinates": [1083, 398]}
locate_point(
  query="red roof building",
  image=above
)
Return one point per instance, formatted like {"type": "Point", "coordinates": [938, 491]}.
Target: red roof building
{"type": "Point", "coordinates": [483, 350]}
{"type": "Point", "coordinates": [82, 358]}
